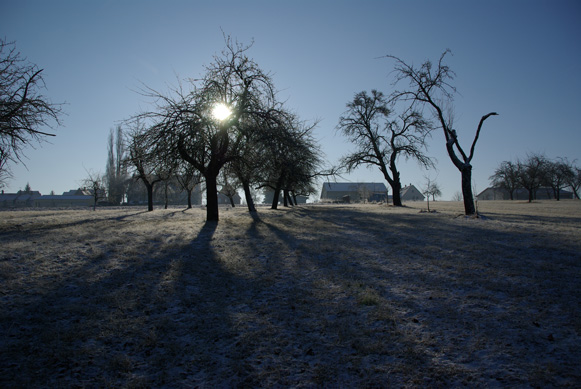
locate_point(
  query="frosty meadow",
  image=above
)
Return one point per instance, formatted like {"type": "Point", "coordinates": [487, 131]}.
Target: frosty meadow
{"type": "Point", "coordinates": [333, 295]}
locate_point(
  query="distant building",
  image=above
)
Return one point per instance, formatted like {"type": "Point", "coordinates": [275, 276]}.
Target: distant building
{"type": "Point", "coordinates": [354, 191]}
{"type": "Point", "coordinates": [543, 193]}
{"type": "Point", "coordinates": [21, 199]}
{"type": "Point", "coordinates": [72, 198]}
{"type": "Point", "coordinates": [411, 193]}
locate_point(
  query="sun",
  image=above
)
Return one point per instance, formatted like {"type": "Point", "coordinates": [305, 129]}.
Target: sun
{"type": "Point", "coordinates": [221, 111]}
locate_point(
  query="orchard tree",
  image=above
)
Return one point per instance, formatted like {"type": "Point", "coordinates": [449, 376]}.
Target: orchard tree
{"type": "Point", "coordinates": [429, 85]}
{"type": "Point", "coordinates": [294, 158]}
{"type": "Point", "coordinates": [143, 162]}
{"type": "Point", "coordinates": [532, 173]}
{"type": "Point", "coordinates": [203, 125]}
{"type": "Point", "coordinates": [506, 176]}
{"type": "Point", "coordinates": [574, 180]}
{"type": "Point", "coordinates": [558, 175]}
{"type": "Point", "coordinates": [431, 189]}
{"type": "Point", "coordinates": [24, 111]}
{"type": "Point", "coordinates": [188, 178]}
{"type": "Point", "coordinates": [95, 183]}
{"type": "Point", "coordinates": [380, 141]}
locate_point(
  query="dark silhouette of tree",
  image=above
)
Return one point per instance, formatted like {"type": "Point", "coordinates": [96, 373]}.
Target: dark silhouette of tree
{"type": "Point", "coordinates": [532, 173]}
{"type": "Point", "coordinates": [506, 176]}
{"type": "Point", "coordinates": [144, 163]}
{"type": "Point", "coordinates": [188, 178]}
{"type": "Point", "coordinates": [95, 183]}
{"type": "Point", "coordinates": [430, 86]}
{"type": "Point", "coordinates": [184, 121]}
{"type": "Point", "coordinates": [23, 108]}
{"type": "Point", "coordinates": [295, 158]}
{"type": "Point", "coordinates": [228, 185]}
{"type": "Point", "coordinates": [574, 179]}
{"type": "Point", "coordinates": [380, 141]}
{"type": "Point", "coordinates": [558, 175]}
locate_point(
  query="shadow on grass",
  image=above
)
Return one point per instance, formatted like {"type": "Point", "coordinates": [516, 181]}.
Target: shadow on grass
{"type": "Point", "coordinates": [311, 296]}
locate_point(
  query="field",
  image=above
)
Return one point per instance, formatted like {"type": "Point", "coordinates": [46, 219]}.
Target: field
{"type": "Point", "coordinates": [333, 295]}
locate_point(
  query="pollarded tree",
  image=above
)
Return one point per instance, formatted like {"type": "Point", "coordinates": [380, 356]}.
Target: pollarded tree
{"type": "Point", "coordinates": [506, 177]}
{"type": "Point", "coordinates": [380, 141]}
{"type": "Point", "coordinates": [430, 86]}
{"type": "Point", "coordinates": [24, 111]}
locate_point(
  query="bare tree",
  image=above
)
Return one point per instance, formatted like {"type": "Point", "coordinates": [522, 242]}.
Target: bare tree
{"type": "Point", "coordinates": [574, 180]}
{"type": "Point", "coordinates": [23, 108]}
{"type": "Point", "coordinates": [188, 178]}
{"type": "Point", "coordinates": [95, 183]}
{"type": "Point", "coordinates": [430, 86]}
{"type": "Point", "coordinates": [558, 176]}
{"type": "Point", "coordinates": [228, 185]}
{"type": "Point", "coordinates": [457, 196]}
{"type": "Point", "coordinates": [380, 141]}
{"type": "Point", "coordinates": [506, 176]}
{"type": "Point", "coordinates": [532, 173]}
{"type": "Point", "coordinates": [431, 189]}
{"type": "Point", "coordinates": [143, 162]}
{"type": "Point", "coordinates": [295, 159]}
{"type": "Point", "coordinates": [185, 122]}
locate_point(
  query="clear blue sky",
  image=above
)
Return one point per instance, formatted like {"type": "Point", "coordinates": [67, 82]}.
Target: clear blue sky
{"type": "Point", "coordinates": [521, 59]}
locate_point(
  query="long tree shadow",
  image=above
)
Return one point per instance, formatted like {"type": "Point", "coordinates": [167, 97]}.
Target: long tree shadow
{"type": "Point", "coordinates": [309, 297]}
{"type": "Point", "coordinates": [153, 320]}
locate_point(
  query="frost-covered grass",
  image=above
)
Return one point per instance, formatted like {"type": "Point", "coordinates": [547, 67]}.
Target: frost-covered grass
{"type": "Point", "coordinates": [311, 296]}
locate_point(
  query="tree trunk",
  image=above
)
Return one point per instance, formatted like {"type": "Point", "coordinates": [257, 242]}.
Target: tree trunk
{"type": "Point", "coordinates": [466, 172]}
{"type": "Point", "coordinates": [287, 200]}
{"type": "Point", "coordinates": [275, 198]}
{"type": "Point", "coordinates": [294, 198]}
{"type": "Point", "coordinates": [211, 197]}
{"type": "Point", "coordinates": [394, 182]}
{"type": "Point", "coordinates": [248, 196]}
{"type": "Point", "coordinates": [189, 198]}
{"type": "Point", "coordinates": [232, 201]}
{"type": "Point", "coordinates": [396, 189]}
{"type": "Point", "coordinates": [149, 196]}
{"type": "Point", "coordinates": [166, 197]}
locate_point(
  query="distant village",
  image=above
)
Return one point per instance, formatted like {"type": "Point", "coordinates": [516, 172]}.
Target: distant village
{"type": "Point", "coordinates": [331, 192]}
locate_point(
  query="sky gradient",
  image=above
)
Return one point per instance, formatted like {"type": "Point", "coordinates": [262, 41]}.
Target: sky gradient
{"type": "Point", "coordinates": [521, 59]}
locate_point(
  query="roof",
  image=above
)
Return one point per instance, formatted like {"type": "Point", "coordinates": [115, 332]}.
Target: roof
{"type": "Point", "coordinates": [406, 189]}
{"type": "Point", "coordinates": [20, 196]}
{"type": "Point", "coordinates": [354, 186]}
{"type": "Point", "coordinates": [66, 197]}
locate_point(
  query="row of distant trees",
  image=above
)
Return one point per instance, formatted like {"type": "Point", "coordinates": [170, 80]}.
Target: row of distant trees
{"type": "Point", "coordinates": [535, 171]}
